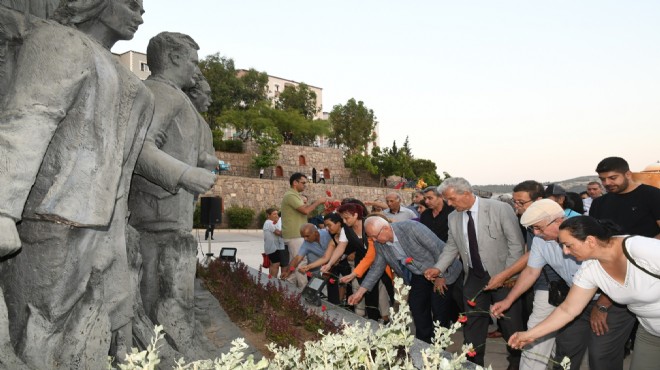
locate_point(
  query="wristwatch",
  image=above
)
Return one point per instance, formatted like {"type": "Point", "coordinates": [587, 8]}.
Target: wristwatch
{"type": "Point", "coordinates": [602, 308]}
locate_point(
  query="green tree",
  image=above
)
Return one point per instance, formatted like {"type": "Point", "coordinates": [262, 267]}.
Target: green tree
{"type": "Point", "coordinates": [353, 126]}
{"type": "Point", "coordinates": [298, 98]}
{"type": "Point", "coordinates": [425, 169]}
{"type": "Point", "coordinates": [360, 162]}
{"type": "Point", "coordinates": [250, 122]}
{"type": "Point", "coordinates": [268, 142]}
{"type": "Point", "coordinates": [228, 90]}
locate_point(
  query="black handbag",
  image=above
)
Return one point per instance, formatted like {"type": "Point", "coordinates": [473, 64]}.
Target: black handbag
{"type": "Point", "coordinates": [557, 290]}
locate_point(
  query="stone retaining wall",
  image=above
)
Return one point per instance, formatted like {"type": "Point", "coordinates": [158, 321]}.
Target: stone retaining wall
{"type": "Point", "coordinates": [260, 194]}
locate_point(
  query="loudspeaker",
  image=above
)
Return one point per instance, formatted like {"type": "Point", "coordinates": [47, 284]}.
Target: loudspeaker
{"type": "Point", "coordinates": [211, 210]}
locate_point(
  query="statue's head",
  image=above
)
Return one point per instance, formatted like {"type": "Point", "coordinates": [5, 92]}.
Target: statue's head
{"type": "Point", "coordinates": [200, 93]}
{"type": "Point", "coordinates": [119, 18]}
{"type": "Point", "coordinates": [174, 55]}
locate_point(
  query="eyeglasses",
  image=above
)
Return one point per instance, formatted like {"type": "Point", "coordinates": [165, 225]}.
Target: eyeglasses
{"type": "Point", "coordinates": [521, 203]}
{"type": "Point", "coordinates": [377, 235]}
{"type": "Point", "coordinates": [540, 229]}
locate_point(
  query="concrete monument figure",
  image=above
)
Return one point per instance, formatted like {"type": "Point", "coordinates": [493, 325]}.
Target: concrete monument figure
{"type": "Point", "coordinates": [173, 166]}
{"type": "Point", "coordinates": [72, 124]}
{"type": "Point", "coordinates": [39, 8]}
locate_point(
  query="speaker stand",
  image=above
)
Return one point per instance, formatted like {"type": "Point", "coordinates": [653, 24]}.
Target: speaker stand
{"type": "Point", "coordinates": [209, 255]}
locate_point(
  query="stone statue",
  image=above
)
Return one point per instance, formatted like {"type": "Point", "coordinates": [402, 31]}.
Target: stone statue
{"type": "Point", "coordinates": [173, 167]}
{"type": "Point", "coordinates": [200, 96]}
{"type": "Point", "coordinates": [71, 128]}
{"type": "Point", "coordinates": [39, 8]}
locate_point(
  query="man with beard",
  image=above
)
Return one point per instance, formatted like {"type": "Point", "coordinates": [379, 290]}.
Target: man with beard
{"type": "Point", "coordinates": [633, 206]}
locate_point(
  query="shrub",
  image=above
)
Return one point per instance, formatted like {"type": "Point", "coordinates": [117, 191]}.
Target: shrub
{"type": "Point", "coordinates": [217, 139]}
{"type": "Point", "coordinates": [232, 146]}
{"type": "Point", "coordinates": [197, 216]}
{"type": "Point", "coordinates": [239, 217]}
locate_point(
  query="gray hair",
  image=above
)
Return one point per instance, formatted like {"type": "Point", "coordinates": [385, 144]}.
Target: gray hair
{"type": "Point", "coordinates": [433, 189]}
{"type": "Point", "coordinates": [459, 184]}
{"type": "Point", "coordinates": [375, 221]}
{"type": "Point", "coordinates": [398, 196]}
{"type": "Point", "coordinates": [161, 45]}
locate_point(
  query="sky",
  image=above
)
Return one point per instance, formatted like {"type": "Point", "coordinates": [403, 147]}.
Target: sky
{"type": "Point", "coordinates": [496, 92]}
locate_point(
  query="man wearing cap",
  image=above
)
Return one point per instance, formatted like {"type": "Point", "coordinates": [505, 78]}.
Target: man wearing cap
{"type": "Point", "coordinates": [557, 193]}
{"type": "Point", "coordinates": [605, 351]}
{"type": "Point", "coordinates": [486, 235]}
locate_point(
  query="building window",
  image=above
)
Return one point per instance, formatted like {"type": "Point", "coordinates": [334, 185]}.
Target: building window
{"type": "Point", "coordinates": [277, 88]}
{"type": "Point", "coordinates": [144, 67]}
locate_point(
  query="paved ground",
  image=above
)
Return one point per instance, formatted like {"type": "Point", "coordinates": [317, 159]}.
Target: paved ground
{"type": "Point", "coordinates": [249, 245]}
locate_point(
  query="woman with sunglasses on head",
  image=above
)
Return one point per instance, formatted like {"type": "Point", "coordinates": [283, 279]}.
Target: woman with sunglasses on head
{"type": "Point", "coordinates": [626, 268]}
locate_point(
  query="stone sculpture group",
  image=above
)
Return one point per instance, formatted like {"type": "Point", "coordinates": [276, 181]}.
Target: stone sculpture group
{"type": "Point", "coordinates": [99, 171]}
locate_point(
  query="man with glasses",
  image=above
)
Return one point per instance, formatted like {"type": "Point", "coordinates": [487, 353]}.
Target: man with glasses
{"type": "Point", "coordinates": [542, 219]}
{"type": "Point", "coordinates": [409, 248]}
{"type": "Point", "coordinates": [294, 216]}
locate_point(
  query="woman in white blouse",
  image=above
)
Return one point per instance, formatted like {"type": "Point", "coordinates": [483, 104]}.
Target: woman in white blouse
{"type": "Point", "coordinates": [606, 266]}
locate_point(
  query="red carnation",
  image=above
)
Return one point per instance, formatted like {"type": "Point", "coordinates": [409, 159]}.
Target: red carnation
{"type": "Point", "coordinates": [409, 260]}
{"type": "Point", "coordinates": [323, 308]}
{"type": "Point", "coordinates": [471, 353]}
{"type": "Point", "coordinates": [270, 276]}
{"type": "Point", "coordinates": [309, 274]}
{"type": "Point", "coordinates": [331, 280]}
{"type": "Point", "coordinates": [462, 319]}
{"type": "Point", "coordinates": [471, 303]}
{"type": "Point", "coordinates": [336, 203]}
{"type": "Point", "coordinates": [328, 193]}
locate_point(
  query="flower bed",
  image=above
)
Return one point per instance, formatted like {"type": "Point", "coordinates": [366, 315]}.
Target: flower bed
{"type": "Point", "coordinates": [267, 308]}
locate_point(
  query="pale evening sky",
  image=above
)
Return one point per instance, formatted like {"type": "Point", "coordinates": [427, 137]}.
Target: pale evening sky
{"type": "Point", "coordinates": [493, 91]}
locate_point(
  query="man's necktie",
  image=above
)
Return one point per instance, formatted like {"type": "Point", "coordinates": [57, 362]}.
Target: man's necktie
{"type": "Point", "coordinates": [477, 266]}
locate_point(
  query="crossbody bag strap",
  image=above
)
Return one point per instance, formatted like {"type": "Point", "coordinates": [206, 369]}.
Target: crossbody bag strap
{"type": "Point", "coordinates": [625, 252]}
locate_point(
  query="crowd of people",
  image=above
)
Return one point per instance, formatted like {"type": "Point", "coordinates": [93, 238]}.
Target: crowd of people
{"type": "Point", "coordinates": [562, 273]}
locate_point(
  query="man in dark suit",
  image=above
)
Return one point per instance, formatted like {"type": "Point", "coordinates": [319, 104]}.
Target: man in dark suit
{"type": "Point", "coordinates": [409, 248]}
{"type": "Point", "coordinates": [486, 235]}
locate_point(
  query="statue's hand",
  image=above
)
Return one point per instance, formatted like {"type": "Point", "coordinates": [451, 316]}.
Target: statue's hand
{"type": "Point", "coordinates": [197, 180]}
{"type": "Point", "coordinates": [9, 240]}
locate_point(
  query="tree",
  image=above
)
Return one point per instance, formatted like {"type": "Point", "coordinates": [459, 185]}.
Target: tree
{"type": "Point", "coordinates": [268, 142]}
{"type": "Point", "coordinates": [298, 98]}
{"type": "Point", "coordinates": [425, 169]}
{"type": "Point", "coordinates": [228, 90]}
{"type": "Point", "coordinates": [360, 162]}
{"type": "Point", "coordinates": [353, 126]}
{"type": "Point", "coordinates": [249, 123]}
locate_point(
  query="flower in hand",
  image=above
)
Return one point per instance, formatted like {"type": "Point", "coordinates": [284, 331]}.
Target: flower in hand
{"type": "Point", "coordinates": [473, 302]}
